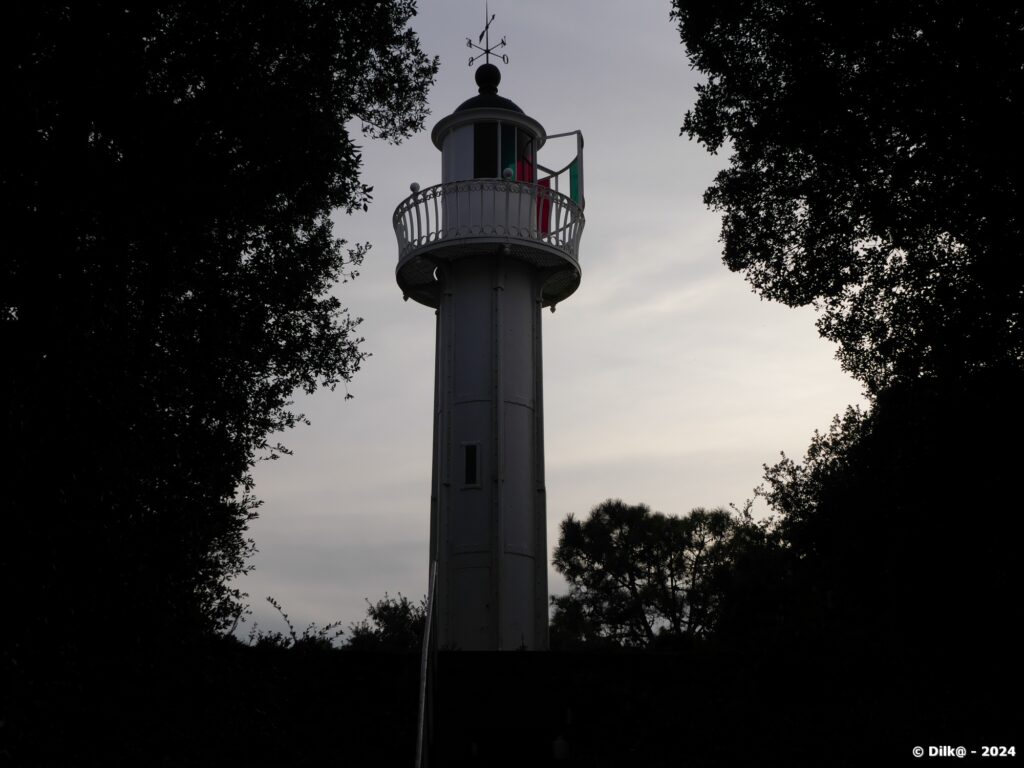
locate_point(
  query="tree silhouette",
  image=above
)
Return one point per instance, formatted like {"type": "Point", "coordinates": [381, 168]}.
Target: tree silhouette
{"type": "Point", "coordinates": [639, 578]}
{"type": "Point", "coordinates": [873, 176]}
{"type": "Point", "coordinates": [167, 193]}
{"type": "Point", "coordinates": [313, 637]}
{"type": "Point", "coordinates": [391, 624]}
{"type": "Point", "coordinates": [875, 172]}
{"type": "Point", "coordinates": [896, 515]}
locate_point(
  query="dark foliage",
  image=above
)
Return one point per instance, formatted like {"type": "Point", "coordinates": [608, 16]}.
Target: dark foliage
{"type": "Point", "coordinates": [313, 636]}
{"type": "Point", "coordinates": [875, 175]}
{"type": "Point", "coordinates": [895, 564]}
{"type": "Point", "coordinates": [167, 191]}
{"type": "Point", "coordinates": [898, 530]}
{"type": "Point", "coordinates": [638, 578]}
{"type": "Point", "coordinates": [227, 703]}
{"type": "Point", "coordinates": [875, 171]}
{"type": "Point", "coordinates": [391, 624]}
{"type": "Point", "coordinates": [879, 608]}
{"type": "Point", "coordinates": [221, 702]}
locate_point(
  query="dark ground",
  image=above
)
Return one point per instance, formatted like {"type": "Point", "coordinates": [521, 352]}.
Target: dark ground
{"type": "Point", "coordinates": [234, 705]}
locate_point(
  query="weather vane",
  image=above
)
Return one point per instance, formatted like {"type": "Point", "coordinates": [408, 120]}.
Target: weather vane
{"type": "Point", "coordinates": [485, 38]}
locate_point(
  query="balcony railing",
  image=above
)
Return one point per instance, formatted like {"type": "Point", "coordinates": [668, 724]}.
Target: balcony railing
{"type": "Point", "coordinates": [488, 210]}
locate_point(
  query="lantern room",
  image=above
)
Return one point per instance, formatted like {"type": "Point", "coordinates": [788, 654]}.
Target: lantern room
{"type": "Point", "coordinates": [494, 194]}
{"type": "Point", "coordinates": [488, 136]}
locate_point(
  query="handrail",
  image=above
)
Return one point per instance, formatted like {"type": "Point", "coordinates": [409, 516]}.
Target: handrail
{"type": "Point", "coordinates": [488, 208]}
{"type": "Point", "coordinates": [553, 175]}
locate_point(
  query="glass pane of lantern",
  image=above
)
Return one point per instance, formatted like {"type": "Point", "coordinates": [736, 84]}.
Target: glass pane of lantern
{"type": "Point", "coordinates": [524, 166]}
{"type": "Point", "coordinates": [508, 149]}
{"type": "Point", "coordinates": [485, 151]}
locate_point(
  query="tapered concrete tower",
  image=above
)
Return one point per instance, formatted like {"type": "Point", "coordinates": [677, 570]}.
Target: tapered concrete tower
{"type": "Point", "coordinates": [488, 248]}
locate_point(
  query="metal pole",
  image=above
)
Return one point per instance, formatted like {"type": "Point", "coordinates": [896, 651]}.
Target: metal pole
{"type": "Point", "coordinates": [423, 665]}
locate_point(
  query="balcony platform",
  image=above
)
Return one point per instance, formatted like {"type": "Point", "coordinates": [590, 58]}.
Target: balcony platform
{"type": "Point", "coordinates": [469, 218]}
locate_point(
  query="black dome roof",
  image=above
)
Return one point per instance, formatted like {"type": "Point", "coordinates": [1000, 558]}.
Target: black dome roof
{"type": "Point", "coordinates": [487, 78]}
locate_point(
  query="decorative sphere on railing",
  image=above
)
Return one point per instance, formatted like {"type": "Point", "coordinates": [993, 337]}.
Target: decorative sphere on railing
{"type": "Point", "coordinates": [507, 174]}
{"type": "Point", "coordinates": [414, 187]}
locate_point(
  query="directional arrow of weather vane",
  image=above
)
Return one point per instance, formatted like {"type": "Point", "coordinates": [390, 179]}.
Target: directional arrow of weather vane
{"type": "Point", "coordinates": [485, 37]}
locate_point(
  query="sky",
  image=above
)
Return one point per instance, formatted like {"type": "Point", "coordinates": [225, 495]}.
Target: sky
{"type": "Point", "coordinates": [667, 381]}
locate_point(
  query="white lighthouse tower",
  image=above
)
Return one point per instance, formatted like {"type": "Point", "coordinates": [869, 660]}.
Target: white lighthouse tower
{"type": "Point", "coordinates": [489, 247]}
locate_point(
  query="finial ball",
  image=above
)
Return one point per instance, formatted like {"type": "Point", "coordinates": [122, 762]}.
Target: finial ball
{"type": "Point", "coordinates": [414, 187]}
{"type": "Point", "coordinates": [487, 78]}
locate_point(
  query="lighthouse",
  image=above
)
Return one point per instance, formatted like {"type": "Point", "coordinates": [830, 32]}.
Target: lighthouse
{"type": "Point", "coordinates": [488, 248]}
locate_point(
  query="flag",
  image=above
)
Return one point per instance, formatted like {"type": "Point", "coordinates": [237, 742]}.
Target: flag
{"type": "Point", "coordinates": [575, 188]}
{"type": "Point", "coordinates": [544, 207]}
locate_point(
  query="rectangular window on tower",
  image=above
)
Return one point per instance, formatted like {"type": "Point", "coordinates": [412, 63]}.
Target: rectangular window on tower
{"type": "Point", "coordinates": [485, 151]}
{"type": "Point", "coordinates": [472, 464]}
